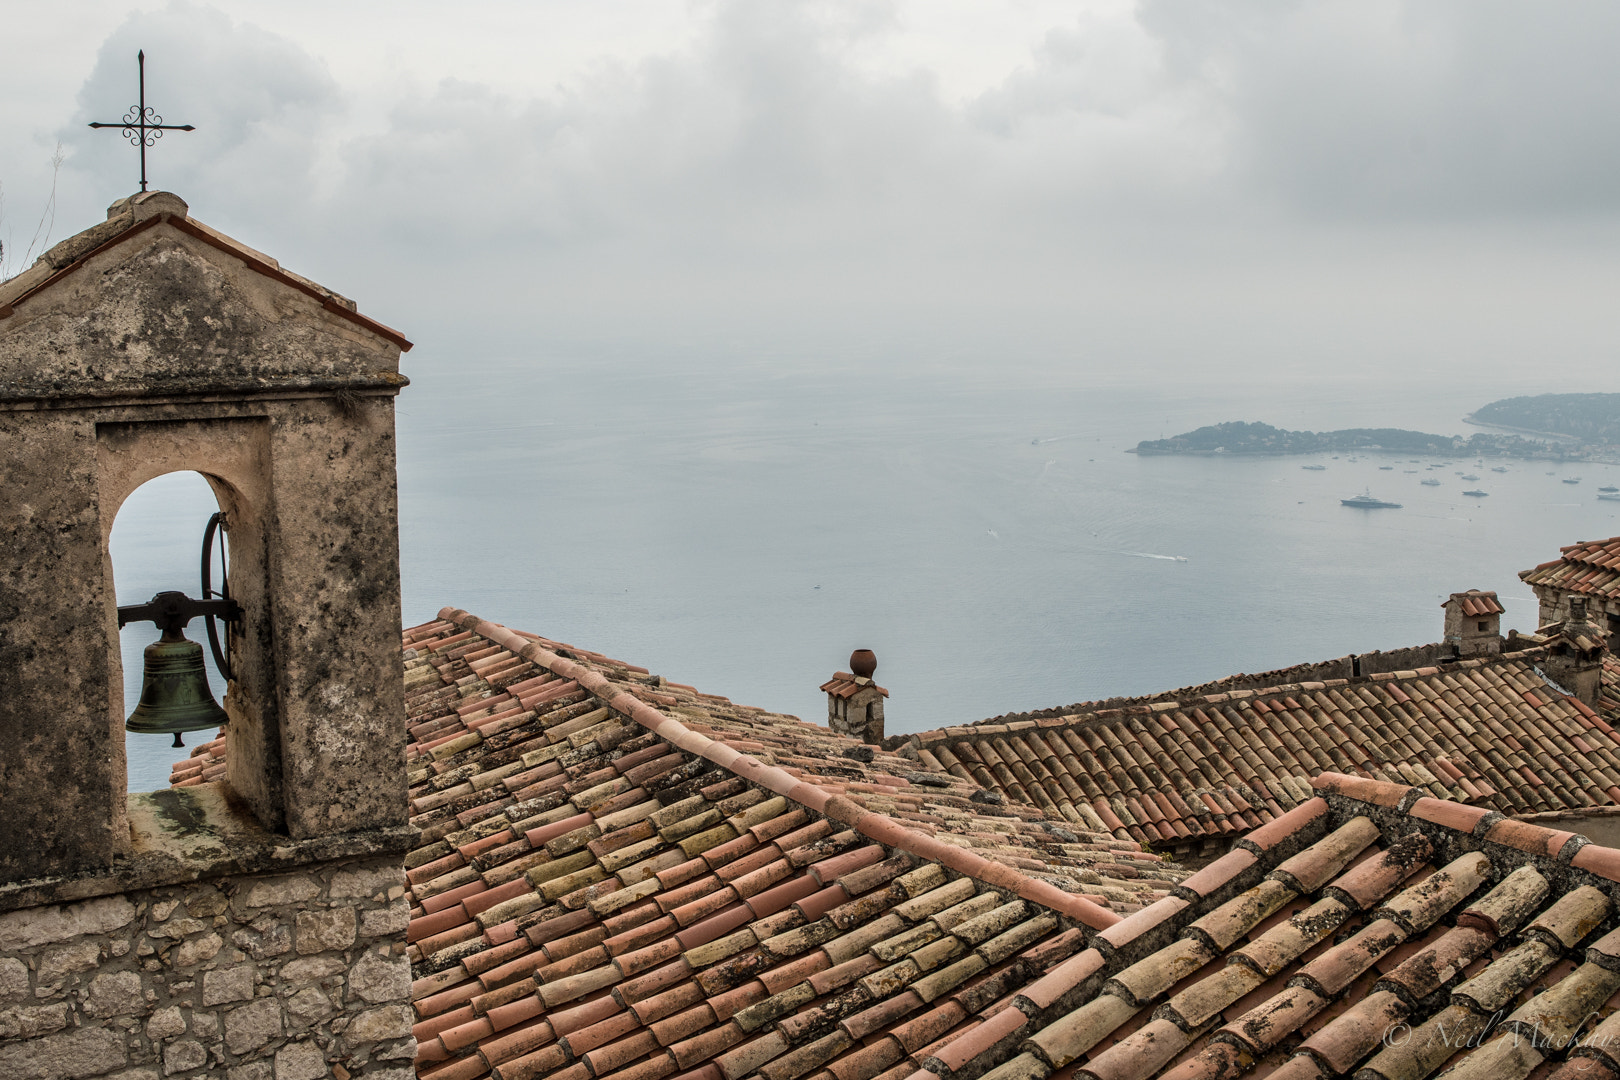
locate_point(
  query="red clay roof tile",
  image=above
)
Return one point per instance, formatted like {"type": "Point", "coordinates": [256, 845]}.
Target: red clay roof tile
{"type": "Point", "coordinates": [602, 969]}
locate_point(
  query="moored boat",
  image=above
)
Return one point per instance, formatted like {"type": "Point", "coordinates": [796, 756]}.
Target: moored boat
{"type": "Point", "coordinates": [1365, 501]}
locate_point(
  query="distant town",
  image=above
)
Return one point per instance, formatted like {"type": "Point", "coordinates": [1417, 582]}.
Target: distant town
{"type": "Point", "coordinates": [1551, 427]}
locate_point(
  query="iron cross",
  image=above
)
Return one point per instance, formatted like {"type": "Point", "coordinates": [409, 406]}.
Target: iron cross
{"type": "Point", "coordinates": [142, 126]}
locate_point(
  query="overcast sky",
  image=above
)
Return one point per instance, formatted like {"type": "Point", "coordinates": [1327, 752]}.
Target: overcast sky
{"type": "Point", "coordinates": [1255, 187]}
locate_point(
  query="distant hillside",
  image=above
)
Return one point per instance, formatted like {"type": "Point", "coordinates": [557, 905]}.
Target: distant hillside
{"type": "Point", "coordinates": [1591, 418]}
{"type": "Point", "coordinates": [1237, 437]}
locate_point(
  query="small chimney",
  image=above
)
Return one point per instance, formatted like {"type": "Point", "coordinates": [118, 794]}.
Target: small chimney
{"type": "Point", "coordinates": [854, 701]}
{"type": "Point", "coordinates": [1474, 623]}
{"type": "Point", "coordinates": [1575, 655]}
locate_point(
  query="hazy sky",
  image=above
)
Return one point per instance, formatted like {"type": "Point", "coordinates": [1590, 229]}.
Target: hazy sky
{"type": "Point", "coordinates": [1137, 189]}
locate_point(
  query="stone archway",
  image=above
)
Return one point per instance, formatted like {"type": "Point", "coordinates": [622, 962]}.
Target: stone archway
{"type": "Point", "coordinates": [233, 455]}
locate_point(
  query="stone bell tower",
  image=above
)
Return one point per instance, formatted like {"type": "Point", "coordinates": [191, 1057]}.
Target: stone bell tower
{"type": "Point", "coordinates": [149, 344]}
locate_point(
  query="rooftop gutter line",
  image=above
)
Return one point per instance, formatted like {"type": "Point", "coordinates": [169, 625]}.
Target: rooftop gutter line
{"type": "Point", "coordinates": [875, 826]}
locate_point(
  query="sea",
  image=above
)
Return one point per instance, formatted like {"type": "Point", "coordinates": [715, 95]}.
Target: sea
{"type": "Point", "coordinates": [742, 526]}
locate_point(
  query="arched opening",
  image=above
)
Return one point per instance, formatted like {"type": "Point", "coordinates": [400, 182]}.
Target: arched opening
{"type": "Point", "coordinates": [155, 545]}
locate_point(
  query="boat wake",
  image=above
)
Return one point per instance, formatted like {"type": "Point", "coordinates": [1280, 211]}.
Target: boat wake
{"type": "Point", "coordinates": [1150, 555]}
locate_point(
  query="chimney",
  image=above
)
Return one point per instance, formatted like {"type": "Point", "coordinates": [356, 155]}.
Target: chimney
{"type": "Point", "coordinates": [1473, 623]}
{"type": "Point", "coordinates": [854, 701]}
{"type": "Point", "coordinates": [1575, 655]}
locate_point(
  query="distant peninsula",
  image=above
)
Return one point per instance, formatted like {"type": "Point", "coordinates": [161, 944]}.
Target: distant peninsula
{"type": "Point", "coordinates": [1237, 437]}
{"type": "Point", "coordinates": [1560, 427]}
{"type": "Point", "coordinates": [1591, 419]}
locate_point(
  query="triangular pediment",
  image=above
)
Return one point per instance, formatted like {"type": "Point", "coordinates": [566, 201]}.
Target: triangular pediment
{"type": "Point", "coordinates": [153, 303]}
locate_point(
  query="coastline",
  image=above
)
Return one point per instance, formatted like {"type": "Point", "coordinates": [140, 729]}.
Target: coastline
{"type": "Point", "coordinates": [1549, 435]}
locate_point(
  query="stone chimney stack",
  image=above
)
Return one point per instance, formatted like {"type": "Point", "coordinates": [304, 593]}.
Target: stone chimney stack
{"type": "Point", "coordinates": [1575, 654]}
{"type": "Point", "coordinates": [1474, 623]}
{"type": "Point", "coordinates": [854, 701]}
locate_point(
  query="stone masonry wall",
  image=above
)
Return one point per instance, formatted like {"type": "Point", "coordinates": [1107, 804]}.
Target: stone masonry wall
{"type": "Point", "coordinates": [292, 976]}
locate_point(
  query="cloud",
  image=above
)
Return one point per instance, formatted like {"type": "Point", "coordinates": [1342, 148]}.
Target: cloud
{"type": "Point", "coordinates": [1442, 109]}
{"type": "Point", "coordinates": [259, 103]}
{"type": "Point", "coordinates": [1146, 181]}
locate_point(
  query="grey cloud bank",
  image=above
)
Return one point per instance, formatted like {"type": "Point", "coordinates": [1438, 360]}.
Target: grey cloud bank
{"type": "Point", "coordinates": [1189, 185]}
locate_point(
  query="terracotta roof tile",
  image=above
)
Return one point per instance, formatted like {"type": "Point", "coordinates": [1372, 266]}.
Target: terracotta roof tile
{"type": "Point", "coordinates": [1213, 765]}
{"type": "Point", "coordinates": [1314, 985]}
{"type": "Point", "coordinates": [1591, 567]}
{"type": "Point", "coordinates": [621, 879]}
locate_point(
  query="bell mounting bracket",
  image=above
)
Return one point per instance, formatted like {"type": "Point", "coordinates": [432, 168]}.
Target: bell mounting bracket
{"type": "Point", "coordinates": [171, 611]}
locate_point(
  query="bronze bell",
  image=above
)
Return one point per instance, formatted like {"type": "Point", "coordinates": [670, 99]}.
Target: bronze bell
{"type": "Point", "coordinates": [175, 696]}
{"type": "Point", "coordinates": [174, 686]}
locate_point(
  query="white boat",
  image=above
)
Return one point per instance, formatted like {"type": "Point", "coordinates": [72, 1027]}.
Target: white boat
{"type": "Point", "coordinates": [1365, 501]}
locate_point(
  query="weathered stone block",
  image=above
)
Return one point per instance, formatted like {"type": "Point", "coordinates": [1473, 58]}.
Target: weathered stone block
{"type": "Point", "coordinates": [385, 922]}
{"type": "Point", "coordinates": [166, 1024]}
{"type": "Point", "coordinates": [300, 1061]}
{"type": "Point", "coordinates": [248, 1027]}
{"type": "Point", "coordinates": [310, 1006]}
{"type": "Point", "coordinates": [69, 1056]}
{"type": "Point", "coordinates": [258, 1070]}
{"type": "Point", "coordinates": [262, 945]}
{"type": "Point", "coordinates": [205, 901]}
{"type": "Point", "coordinates": [377, 1025]}
{"type": "Point", "coordinates": [205, 1025]}
{"type": "Point", "coordinates": [41, 926]}
{"type": "Point", "coordinates": [197, 950]}
{"type": "Point", "coordinates": [381, 978]}
{"type": "Point", "coordinates": [405, 1051]}
{"type": "Point", "coordinates": [310, 969]}
{"type": "Point", "coordinates": [116, 993]}
{"type": "Point", "coordinates": [288, 889]}
{"type": "Point", "coordinates": [177, 928]}
{"type": "Point", "coordinates": [183, 1056]}
{"type": "Point", "coordinates": [228, 984]}
{"type": "Point", "coordinates": [64, 960]}
{"type": "Point", "coordinates": [319, 931]}
{"type": "Point", "coordinates": [32, 1023]}
{"type": "Point", "coordinates": [13, 978]}
{"type": "Point", "coordinates": [353, 884]}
